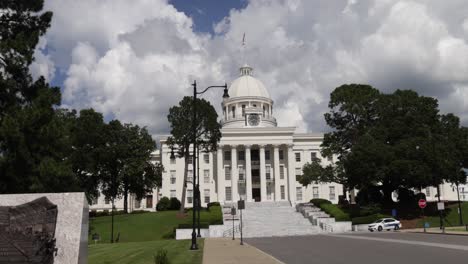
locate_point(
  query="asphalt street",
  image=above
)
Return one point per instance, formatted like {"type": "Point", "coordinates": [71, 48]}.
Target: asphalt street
{"type": "Point", "coordinates": [363, 248]}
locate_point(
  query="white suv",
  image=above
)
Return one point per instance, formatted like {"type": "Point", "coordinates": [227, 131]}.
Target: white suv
{"type": "Point", "coordinates": [385, 223]}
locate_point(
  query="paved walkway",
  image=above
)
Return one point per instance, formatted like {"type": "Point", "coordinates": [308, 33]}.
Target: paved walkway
{"type": "Point", "coordinates": [228, 251]}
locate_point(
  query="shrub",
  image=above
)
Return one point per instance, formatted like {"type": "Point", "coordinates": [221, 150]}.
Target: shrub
{"type": "Point", "coordinates": [335, 211]}
{"type": "Point", "coordinates": [161, 257]}
{"type": "Point", "coordinates": [174, 204]}
{"type": "Point", "coordinates": [163, 204]}
{"type": "Point", "coordinates": [317, 201]}
{"type": "Point", "coordinates": [213, 204]}
{"type": "Point", "coordinates": [367, 219]}
{"type": "Point", "coordinates": [139, 212]}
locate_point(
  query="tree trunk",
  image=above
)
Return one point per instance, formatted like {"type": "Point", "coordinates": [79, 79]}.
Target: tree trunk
{"type": "Point", "coordinates": [387, 196]}
{"type": "Point", "coordinates": [184, 189]}
{"type": "Point", "coordinates": [126, 199]}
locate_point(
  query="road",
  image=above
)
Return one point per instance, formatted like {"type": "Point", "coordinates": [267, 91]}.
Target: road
{"type": "Point", "coordinates": [363, 248]}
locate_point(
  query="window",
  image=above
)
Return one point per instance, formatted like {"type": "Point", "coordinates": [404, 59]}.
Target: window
{"type": "Point", "coordinates": [428, 191]}
{"type": "Point", "coordinates": [206, 158]}
{"type": "Point", "coordinates": [313, 155]}
{"type": "Point", "coordinates": [228, 194]}
{"type": "Point", "coordinates": [233, 112]}
{"type": "Point", "coordinates": [227, 155]}
{"type": "Point", "coordinates": [282, 172]}
{"type": "Point", "coordinates": [173, 194]}
{"type": "Point", "coordinates": [315, 192]}
{"type": "Point", "coordinates": [269, 187]}
{"type": "Point", "coordinates": [298, 157]}
{"type": "Point", "coordinates": [106, 201]}
{"type": "Point", "coordinates": [281, 154]}
{"type": "Point", "coordinates": [189, 196]}
{"type": "Point", "coordinates": [206, 193]}
{"type": "Point", "coordinates": [283, 195]}
{"type": "Point", "coordinates": [172, 161]}
{"type": "Point", "coordinates": [263, 111]}
{"type": "Point", "coordinates": [267, 155]}
{"type": "Point", "coordinates": [241, 173]}
{"type": "Point", "coordinates": [298, 193]}
{"type": "Point", "coordinates": [227, 173]}
{"type": "Point", "coordinates": [242, 155]}
{"type": "Point", "coordinates": [190, 159]}
{"type": "Point", "coordinates": [137, 204]}
{"type": "Point", "coordinates": [190, 176]}
{"type": "Point", "coordinates": [94, 201]}
{"type": "Point", "coordinates": [332, 193]}
{"type": "Point", "coordinates": [173, 176]}
{"type": "Point", "coordinates": [243, 110]}
{"type": "Point", "coordinates": [206, 176]}
{"type": "Point", "coordinates": [268, 172]}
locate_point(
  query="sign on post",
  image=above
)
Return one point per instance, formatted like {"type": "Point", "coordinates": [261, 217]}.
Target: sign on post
{"type": "Point", "coordinates": [440, 206]}
{"type": "Point", "coordinates": [241, 204]}
{"type": "Point", "coordinates": [233, 211]}
{"type": "Point", "coordinates": [422, 203]}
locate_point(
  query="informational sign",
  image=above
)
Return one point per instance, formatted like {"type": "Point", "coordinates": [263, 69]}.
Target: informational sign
{"type": "Point", "coordinates": [440, 206]}
{"type": "Point", "coordinates": [426, 225]}
{"type": "Point", "coordinates": [422, 203]}
{"type": "Point", "coordinates": [241, 204]}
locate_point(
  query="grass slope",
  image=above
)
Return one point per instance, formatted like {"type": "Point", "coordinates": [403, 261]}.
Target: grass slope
{"type": "Point", "coordinates": [450, 219]}
{"type": "Point", "coordinates": [147, 226]}
{"type": "Point", "coordinates": [143, 252]}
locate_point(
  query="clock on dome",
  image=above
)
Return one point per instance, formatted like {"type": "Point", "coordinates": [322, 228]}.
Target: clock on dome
{"type": "Point", "coordinates": [253, 120]}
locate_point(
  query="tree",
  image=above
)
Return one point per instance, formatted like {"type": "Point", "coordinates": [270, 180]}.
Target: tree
{"type": "Point", "coordinates": [353, 109]}
{"type": "Point", "coordinates": [208, 132]}
{"type": "Point", "coordinates": [33, 133]}
{"type": "Point", "coordinates": [87, 140]}
{"type": "Point", "coordinates": [126, 162]}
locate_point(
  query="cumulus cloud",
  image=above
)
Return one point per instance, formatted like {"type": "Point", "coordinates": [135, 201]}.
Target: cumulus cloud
{"type": "Point", "coordinates": [135, 59]}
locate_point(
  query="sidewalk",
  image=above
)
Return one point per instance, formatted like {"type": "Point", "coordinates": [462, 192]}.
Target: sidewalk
{"type": "Point", "coordinates": [228, 251]}
{"type": "Point", "coordinates": [436, 230]}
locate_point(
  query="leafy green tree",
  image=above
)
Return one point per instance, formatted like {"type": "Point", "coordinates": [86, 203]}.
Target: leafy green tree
{"type": "Point", "coordinates": [208, 131]}
{"type": "Point", "coordinates": [87, 140]}
{"type": "Point", "coordinates": [33, 134]}
{"type": "Point", "coordinates": [126, 166]}
{"type": "Point", "coordinates": [353, 109]}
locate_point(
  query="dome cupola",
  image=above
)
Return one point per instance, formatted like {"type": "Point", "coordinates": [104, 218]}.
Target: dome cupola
{"type": "Point", "coordinates": [249, 103]}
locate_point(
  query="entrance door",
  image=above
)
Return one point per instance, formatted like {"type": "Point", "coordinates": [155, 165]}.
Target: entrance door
{"type": "Point", "coordinates": [256, 194]}
{"type": "Point", "coordinates": [149, 201]}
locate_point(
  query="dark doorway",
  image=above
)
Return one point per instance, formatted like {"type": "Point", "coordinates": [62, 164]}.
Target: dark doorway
{"type": "Point", "coordinates": [256, 194]}
{"type": "Point", "coordinates": [149, 201]}
{"type": "Point", "coordinates": [255, 155]}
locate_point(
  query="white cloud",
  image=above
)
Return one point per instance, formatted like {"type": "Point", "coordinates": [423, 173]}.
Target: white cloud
{"type": "Point", "coordinates": [135, 59]}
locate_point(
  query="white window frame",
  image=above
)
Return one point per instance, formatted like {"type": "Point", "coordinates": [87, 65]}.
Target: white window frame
{"type": "Point", "coordinates": [299, 194]}
{"type": "Point", "coordinates": [189, 196]}
{"type": "Point", "coordinates": [332, 191]}
{"type": "Point", "coordinates": [206, 194]}
{"type": "Point", "coordinates": [228, 193]}
{"type": "Point", "coordinates": [206, 176]}
{"type": "Point", "coordinates": [315, 192]}
{"type": "Point", "coordinates": [268, 172]}
{"type": "Point", "coordinates": [206, 158]}
{"type": "Point", "coordinates": [282, 172]}
{"type": "Point", "coordinates": [283, 192]}
{"type": "Point", "coordinates": [173, 176]}
{"type": "Point", "coordinates": [227, 173]}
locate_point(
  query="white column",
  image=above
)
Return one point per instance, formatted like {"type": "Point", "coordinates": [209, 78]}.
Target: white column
{"type": "Point", "coordinates": [248, 173]}
{"type": "Point", "coordinates": [220, 174]}
{"type": "Point", "coordinates": [291, 174]}
{"type": "Point", "coordinates": [277, 172]}
{"type": "Point", "coordinates": [262, 174]}
{"type": "Point", "coordinates": [234, 173]}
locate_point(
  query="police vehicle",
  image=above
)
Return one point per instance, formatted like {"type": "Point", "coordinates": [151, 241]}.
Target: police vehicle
{"type": "Point", "coordinates": [385, 223]}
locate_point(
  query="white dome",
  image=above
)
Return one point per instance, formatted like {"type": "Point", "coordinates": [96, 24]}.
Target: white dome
{"type": "Point", "coordinates": [246, 85]}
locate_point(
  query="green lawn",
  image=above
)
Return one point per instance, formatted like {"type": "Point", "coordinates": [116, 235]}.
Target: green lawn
{"type": "Point", "coordinates": [143, 252]}
{"type": "Point", "coordinates": [142, 235]}
{"type": "Point", "coordinates": [450, 219]}
{"type": "Point", "coordinates": [147, 226]}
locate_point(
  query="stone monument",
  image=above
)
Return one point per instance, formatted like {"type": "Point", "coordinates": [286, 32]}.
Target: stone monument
{"type": "Point", "coordinates": [50, 228]}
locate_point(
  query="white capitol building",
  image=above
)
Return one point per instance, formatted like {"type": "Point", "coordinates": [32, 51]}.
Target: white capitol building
{"type": "Point", "coordinates": [256, 160]}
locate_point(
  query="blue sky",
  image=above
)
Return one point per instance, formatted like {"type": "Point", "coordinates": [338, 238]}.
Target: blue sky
{"type": "Point", "coordinates": [205, 13]}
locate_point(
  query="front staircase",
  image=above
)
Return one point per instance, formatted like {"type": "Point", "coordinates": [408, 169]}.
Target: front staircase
{"type": "Point", "coordinates": [268, 219]}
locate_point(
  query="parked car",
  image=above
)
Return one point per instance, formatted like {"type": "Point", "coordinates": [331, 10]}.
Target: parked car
{"type": "Point", "coordinates": [385, 223]}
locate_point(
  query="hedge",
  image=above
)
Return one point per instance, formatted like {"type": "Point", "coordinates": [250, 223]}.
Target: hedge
{"type": "Point", "coordinates": [334, 211]}
{"type": "Point", "coordinates": [367, 219]}
{"type": "Point", "coordinates": [317, 201]}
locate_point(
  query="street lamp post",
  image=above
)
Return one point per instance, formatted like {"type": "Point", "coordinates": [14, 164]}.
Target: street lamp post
{"type": "Point", "coordinates": [194, 245]}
